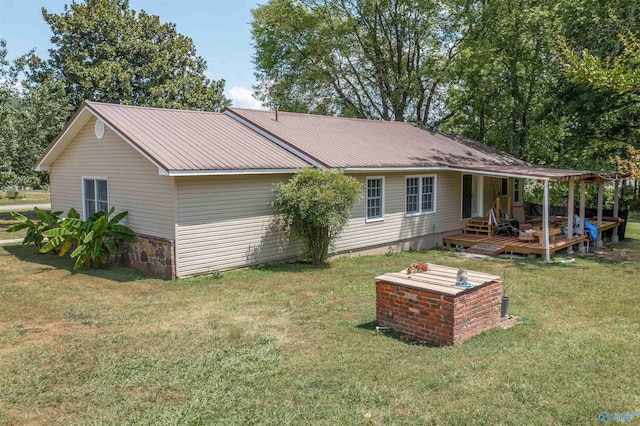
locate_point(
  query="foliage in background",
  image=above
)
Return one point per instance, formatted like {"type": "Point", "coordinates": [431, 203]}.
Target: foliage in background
{"type": "Point", "coordinates": [104, 51]}
{"type": "Point", "coordinates": [317, 204]}
{"type": "Point", "coordinates": [31, 115]}
{"type": "Point", "coordinates": [631, 164]}
{"type": "Point", "coordinates": [35, 229]}
{"type": "Point", "coordinates": [620, 75]}
{"type": "Point", "coordinates": [94, 241]}
{"type": "Point", "coordinates": [385, 60]}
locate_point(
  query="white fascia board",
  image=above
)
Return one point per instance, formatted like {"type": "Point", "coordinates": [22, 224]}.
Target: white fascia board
{"type": "Point", "coordinates": [436, 169]}
{"type": "Point", "coordinates": [126, 139]}
{"type": "Point", "coordinates": [275, 140]}
{"type": "Point", "coordinates": [230, 172]}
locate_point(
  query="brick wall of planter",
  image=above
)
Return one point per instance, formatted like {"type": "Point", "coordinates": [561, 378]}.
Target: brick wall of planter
{"type": "Point", "coordinates": [431, 317]}
{"type": "Point", "coordinates": [153, 255]}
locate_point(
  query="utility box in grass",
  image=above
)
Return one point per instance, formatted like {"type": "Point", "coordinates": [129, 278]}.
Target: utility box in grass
{"type": "Point", "coordinates": [429, 307]}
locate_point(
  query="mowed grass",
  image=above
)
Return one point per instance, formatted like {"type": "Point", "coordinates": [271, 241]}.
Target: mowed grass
{"type": "Point", "coordinates": [296, 344]}
{"type": "Point", "coordinates": [26, 197]}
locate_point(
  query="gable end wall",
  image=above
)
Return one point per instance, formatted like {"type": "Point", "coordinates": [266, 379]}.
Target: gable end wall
{"type": "Point", "coordinates": [134, 183]}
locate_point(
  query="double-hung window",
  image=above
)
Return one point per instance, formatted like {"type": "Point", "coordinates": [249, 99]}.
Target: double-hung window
{"type": "Point", "coordinates": [420, 194]}
{"type": "Point", "coordinates": [375, 198]}
{"type": "Point", "coordinates": [96, 196]}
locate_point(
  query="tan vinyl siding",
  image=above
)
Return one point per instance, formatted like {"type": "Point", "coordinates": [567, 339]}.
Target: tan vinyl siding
{"type": "Point", "coordinates": [134, 183]}
{"type": "Point", "coordinates": [396, 226]}
{"type": "Point", "coordinates": [227, 222]}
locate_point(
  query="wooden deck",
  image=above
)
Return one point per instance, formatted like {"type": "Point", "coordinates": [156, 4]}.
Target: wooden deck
{"type": "Point", "coordinates": [517, 246]}
{"type": "Point", "coordinates": [511, 244]}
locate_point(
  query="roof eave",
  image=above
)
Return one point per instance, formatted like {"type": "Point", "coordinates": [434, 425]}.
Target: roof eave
{"type": "Point", "coordinates": [182, 173]}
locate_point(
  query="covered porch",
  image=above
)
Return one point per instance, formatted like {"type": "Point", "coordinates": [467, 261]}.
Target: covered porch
{"type": "Point", "coordinates": [499, 233]}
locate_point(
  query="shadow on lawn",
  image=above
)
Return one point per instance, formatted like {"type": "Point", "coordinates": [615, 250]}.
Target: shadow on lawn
{"type": "Point", "coordinates": [296, 267]}
{"type": "Point", "coordinates": [115, 272]}
{"type": "Point", "coordinates": [371, 326]}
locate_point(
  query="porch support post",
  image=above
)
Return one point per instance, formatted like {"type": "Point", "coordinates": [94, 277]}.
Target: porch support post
{"type": "Point", "coordinates": [570, 212]}
{"type": "Point", "coordinates": [616, 201]}
{"type": "Point", "coordinates": [545, 221]}
{"type": "Point", "coordinates": [583, 190]}
{"type": "Point", "coordinates": [600, 204]}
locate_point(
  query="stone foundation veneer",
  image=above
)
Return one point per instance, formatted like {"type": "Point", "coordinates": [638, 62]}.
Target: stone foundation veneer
{"type": "Point", "coordinates": [432, 317]}
{"type": "Point", "coordinates": [152, 255]}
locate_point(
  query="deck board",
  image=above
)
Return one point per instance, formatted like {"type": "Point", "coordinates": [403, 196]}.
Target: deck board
{"type": "Point", "coordinates": [513, 244]}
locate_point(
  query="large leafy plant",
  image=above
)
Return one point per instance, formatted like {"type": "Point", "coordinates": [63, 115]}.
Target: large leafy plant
{"type": "Point", "coordinates": [35, 229]}
{"type": "Point", "coordinates": [94, 241]}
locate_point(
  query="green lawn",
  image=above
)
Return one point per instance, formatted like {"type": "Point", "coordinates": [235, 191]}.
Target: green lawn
{"type": "Point", "coordinates": [26, 197]}
{"type": "Point", "coordinates": [297, 344]}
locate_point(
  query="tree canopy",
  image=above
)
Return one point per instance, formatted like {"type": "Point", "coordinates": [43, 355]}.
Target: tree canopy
{"type": "Point", "coordinates": [31, 115]}
{"type": "Point", "coordinates": [362, 58]}
{"type": "Point", "coordinates": [104, 51]}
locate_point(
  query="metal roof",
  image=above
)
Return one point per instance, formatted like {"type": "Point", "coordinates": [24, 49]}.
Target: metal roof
{"type": "Point", "coordinates": [192, 141]}
{"type": "Point", "coordinates": [357, 143]}
{"type": "Point", "coordinates": [240, 140]}
{"type": "Point", "coordinates": [369, 145]}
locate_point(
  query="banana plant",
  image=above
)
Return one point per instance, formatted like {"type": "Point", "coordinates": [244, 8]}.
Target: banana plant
{"type": "Point", "coordinates": [35, 229]}
{"type": "Point", "coordinates": [94, 240]}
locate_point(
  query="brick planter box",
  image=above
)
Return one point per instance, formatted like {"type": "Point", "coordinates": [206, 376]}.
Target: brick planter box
{"type": "Point", "coordinates": [429, 307]}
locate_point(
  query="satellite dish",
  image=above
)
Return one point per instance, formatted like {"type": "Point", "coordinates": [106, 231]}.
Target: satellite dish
{"type": "Point", "coordinates": [99, 128]}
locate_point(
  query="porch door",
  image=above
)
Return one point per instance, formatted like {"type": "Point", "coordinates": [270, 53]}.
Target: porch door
{"type": "Point", "coordinates": [471, 196]}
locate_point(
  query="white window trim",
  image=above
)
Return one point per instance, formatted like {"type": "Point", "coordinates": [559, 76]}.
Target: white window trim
{"type": "Point", "coordinates": [435, 191]}
{"type": "Point", "coordinates": [366, 198]}
{"type": "Point", "coordinates": [84, 197]}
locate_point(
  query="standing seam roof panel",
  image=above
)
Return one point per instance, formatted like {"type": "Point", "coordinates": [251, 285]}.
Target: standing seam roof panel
{"type": "Point", "coordinates": [188, 140]}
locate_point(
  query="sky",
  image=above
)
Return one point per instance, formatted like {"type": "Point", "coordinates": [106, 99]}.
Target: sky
{"type": "Point", "coordinates": [220, 30]}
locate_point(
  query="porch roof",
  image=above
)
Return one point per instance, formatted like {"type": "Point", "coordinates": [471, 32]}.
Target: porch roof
{"type": "Point", "coordinates": [550, 174]}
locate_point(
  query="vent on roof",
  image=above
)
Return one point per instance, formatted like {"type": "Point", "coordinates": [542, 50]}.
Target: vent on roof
{"type": "Point", "coordinates": [99, 128]}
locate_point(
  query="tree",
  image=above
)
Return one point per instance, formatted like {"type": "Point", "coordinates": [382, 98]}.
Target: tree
{"type": "Point", "coordinates": [512, 92]}
{"type": "Point", "coordinates": [503, 80]}
{"type": "Point", "coordinates": [620, 74]}
{"type": "Point", "coordinates": [316, 205]}
{"type": "Point", "coordinates": [107, 52]}
{"type": "Point", "coordinates": [363, 58]}
{"type": "Point", "coordinates": [31, 115]}
{"type": "Point", "coordinates": [618, 77]}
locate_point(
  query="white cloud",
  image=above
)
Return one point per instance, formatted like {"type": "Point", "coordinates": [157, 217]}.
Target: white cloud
{"type": "Point", "coordinates": [14, 86]}
{"type": "Point", "coordinates": [243, 98]}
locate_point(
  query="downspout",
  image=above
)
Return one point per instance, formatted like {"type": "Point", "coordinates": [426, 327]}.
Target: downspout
{"type": "Point", "coordinates": [545, 221]}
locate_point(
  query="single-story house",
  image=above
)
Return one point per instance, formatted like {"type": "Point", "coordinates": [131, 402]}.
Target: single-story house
{"type": "Point", "coordinates": [198, 185]}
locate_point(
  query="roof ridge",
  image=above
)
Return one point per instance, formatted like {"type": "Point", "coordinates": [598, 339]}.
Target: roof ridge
{"type": "Point", "coordinates": [152, 108]}
{"type": "Point", "coordinates": [374, 120]}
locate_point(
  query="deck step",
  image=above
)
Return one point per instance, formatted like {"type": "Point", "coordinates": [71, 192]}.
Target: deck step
{"type": "Point", "coordinates": [484, 248]}
{"type": "Point", "coordinates": [478, 226]}
{"type": "Point", "coordinates": [480, 230]}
